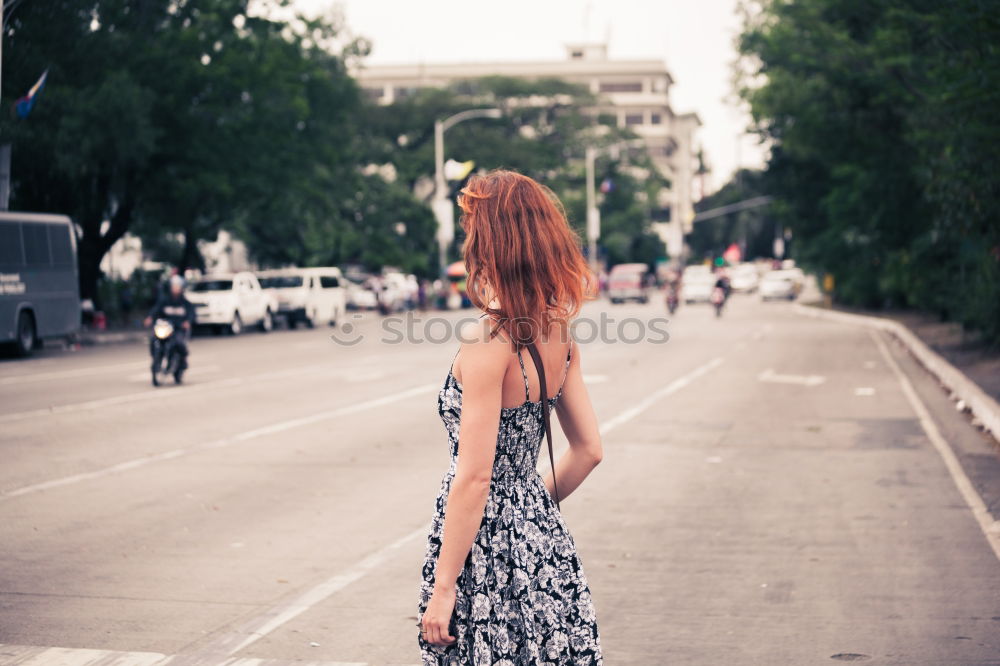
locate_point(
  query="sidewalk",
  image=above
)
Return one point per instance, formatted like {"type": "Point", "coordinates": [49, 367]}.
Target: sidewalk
{"type": "Point", "coordinates": [90, 337]}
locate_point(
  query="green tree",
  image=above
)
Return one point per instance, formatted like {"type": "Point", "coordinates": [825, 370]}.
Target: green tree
{"type": "Point", "coordinates": [543, 133]}
{"type": "Point", "coordinates": [179, 116]}
{"type": "Point", "coordinates": [752, 229]}
{"type": "Point", "coordinates": [883, 161]}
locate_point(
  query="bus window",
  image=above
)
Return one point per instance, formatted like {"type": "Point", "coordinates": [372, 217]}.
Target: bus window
{"type": "Point", "coordinates": [10, 244]}
{"type": "Point", "coordinates": [61, 244]}
{"type": "Point", "coordinates": [36, 244]}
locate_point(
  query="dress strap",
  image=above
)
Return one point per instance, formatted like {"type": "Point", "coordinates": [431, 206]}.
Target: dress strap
{"type": "Point", "coordinates": [520, 360]}
{"type": "Point", "coordinates": [569, 357]}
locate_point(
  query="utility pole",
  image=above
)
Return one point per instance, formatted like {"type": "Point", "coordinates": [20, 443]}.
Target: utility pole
{"type": "Point", "coordinates": [5, 148]}
{"type": "Point", "coordinates": [444, 213]}
{"type": "Point", "coordinates": [593, 212]}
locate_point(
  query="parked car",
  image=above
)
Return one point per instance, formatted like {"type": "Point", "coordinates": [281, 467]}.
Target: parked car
{"type": "Point", "coordinates": [628, 282]}
{"type": "Point", "coordinates": [783, 284]}
{"type": "Point", "coordinates": [697, 286]}
{"type": "Point", "coordinates": [232, 302]}
{"type": "Point", "coordinates": [307, 295]}
{"type": "Point", "coordinates": [360, 297]}
{"type": "Point", "coordinates": [744, 278]}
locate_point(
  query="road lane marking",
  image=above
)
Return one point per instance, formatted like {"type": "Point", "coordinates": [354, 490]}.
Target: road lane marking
{"type": "Point", "coordinates": [989, 526]}
{"type": "Point", "coordinates": [260, 626]}
{"type": "Point", "coordinates": [650, 399]}
{"type": "Point", "coordinates": [32, 655]}
{"type": "Point", "coordinates": [70, 374]}
{"type": "Point", "coordinates": [220, 443]}
{"type": "Point", "coordinates": [772, 377]}
{"type": "Point", "coordinates": [194, 371]}
{"type": "Point", "coordinates": [157, 394]}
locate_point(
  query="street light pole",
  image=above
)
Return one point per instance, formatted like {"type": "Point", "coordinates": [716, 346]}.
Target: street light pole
{"type": "Point", "coordinates": [593, 212]}
{"type": "Point", "coordinates": [441, 206]}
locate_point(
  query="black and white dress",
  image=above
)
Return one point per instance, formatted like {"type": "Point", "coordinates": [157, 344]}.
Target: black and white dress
{"type": "Point", "coordinates": [522, 598]}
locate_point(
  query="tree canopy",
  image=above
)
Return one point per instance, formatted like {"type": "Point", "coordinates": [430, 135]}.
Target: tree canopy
{"type": "Point", "coordinates": [883, 131]}
{"type": "Point", "coordinates": [174, 119]}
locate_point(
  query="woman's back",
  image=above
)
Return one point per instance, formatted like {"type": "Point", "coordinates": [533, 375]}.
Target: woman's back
{"type": "Point", "coordinates": [502, 581]}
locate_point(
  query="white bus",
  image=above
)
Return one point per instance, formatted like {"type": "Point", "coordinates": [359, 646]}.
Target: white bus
{"type": "Point", "coordinates": [39, 288]}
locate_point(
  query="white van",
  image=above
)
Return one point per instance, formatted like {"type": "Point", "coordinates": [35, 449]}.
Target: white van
{"type": "Point", "coordinates": [231, 302]}
{"type": "Point", "coordinates": [307, 295]}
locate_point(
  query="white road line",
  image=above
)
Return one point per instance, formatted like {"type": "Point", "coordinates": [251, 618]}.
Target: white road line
{"type": "Point", "coordinates": [989, 526]}
{"type": "Point", "coordinates": [220, 443]}
{"type": "Point", "coordinates": [151, 394]}
{"type": "Point", "coordinates": [650, 399]}
{"type": "Point", "coordinates": [69, 374]}
{"type": "Point", "coordinates": [194, 371]}
{"type": "Point", "coordinates": [771, 376]}
{"type": "Point", "coordinates": [256, 628]}
{"type": "Point", "coordinates": [31, 655]}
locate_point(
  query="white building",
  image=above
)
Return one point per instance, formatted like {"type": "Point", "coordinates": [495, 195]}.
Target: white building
{"type": "Point", "coordinates": [637, 92]}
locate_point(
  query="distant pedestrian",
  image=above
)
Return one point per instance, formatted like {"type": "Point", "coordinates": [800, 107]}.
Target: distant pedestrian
{"type": "Point", "coordinates": [422, 289]}
{"type": "Point", "coordinates": [502, 582]}
{"type": "Point", "coordinates": [125, 304]}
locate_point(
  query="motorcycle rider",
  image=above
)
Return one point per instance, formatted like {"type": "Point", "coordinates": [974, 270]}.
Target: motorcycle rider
{"type": "Point", "coordinates": [178, 310]}
{"type": "Point", "coordinates": [673, 289]}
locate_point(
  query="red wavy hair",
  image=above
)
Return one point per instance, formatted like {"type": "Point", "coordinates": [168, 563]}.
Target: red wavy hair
{"type": "Point", "coordinates": [523, 259]}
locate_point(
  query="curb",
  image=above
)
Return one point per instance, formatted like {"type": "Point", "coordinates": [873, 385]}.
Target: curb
{"type": "Point", "coordinates": [115, 337]}
{"type": "Point", "coordinates": [983, 407]}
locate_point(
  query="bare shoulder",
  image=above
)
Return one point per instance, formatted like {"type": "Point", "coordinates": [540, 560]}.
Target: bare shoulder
{"type": "Point", "coordinates": [483, 349]}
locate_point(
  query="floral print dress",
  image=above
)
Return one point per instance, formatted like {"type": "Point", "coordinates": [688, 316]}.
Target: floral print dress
{"type": "Point", "coordinates": [522, 598]}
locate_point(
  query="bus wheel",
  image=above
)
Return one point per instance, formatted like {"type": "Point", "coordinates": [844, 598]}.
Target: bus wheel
{"type": "Point", "coordinates": [25, 333]}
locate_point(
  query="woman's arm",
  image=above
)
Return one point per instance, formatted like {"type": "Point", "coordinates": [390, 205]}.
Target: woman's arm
{"type": "Point", "coordinates": [579, 423]}
{"type": "Point", "coordinates": [484, 363]}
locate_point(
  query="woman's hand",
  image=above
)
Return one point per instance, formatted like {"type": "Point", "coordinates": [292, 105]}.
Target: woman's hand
{"type": "Point", "coordinates": [434, 624]}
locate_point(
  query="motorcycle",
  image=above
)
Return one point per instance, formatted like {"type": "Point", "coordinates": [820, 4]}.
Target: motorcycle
{"type": "Point", "coordinates": [718, 300]}
{"type": "Point", "coordinates": [673, 298]}
{"type": "Point", "coordinates": [166, 353]}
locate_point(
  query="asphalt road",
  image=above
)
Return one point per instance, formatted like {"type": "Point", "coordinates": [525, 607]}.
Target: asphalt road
{"type": "Point", "coordinates": [775, 490]}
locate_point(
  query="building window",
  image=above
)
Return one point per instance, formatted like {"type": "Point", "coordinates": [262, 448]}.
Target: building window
{"type": "Point", "coordinates": [373, 93]}
{"type": "Point", "coordinates": [403, 93]}
{"type": "Point", "coordinates": [576, 55]}
{"type": "Point", "coordinates": [620, 86]}
{"type": "Point", "coordinates": [655, 119]}
{"type": "Point", "coordinates": [662, 151]}
{"type": "Point", "coordinates": [633, 118]}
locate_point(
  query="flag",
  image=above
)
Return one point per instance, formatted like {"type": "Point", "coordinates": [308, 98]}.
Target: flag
{"type": "Point", "coordinates": [24, 105]}
{"type": "Point", "coordinates": [733, 254]}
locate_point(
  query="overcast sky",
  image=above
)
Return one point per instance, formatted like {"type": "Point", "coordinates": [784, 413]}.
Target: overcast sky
{"type": "Point", "coordinates": [694, 38]}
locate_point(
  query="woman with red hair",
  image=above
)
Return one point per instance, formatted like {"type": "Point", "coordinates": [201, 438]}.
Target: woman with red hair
{"type": "Point", "coordinates": [502, 582]}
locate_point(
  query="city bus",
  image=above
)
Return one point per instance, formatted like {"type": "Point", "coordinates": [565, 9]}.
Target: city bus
{"type": "Point", "coordinates": [39, 288]}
